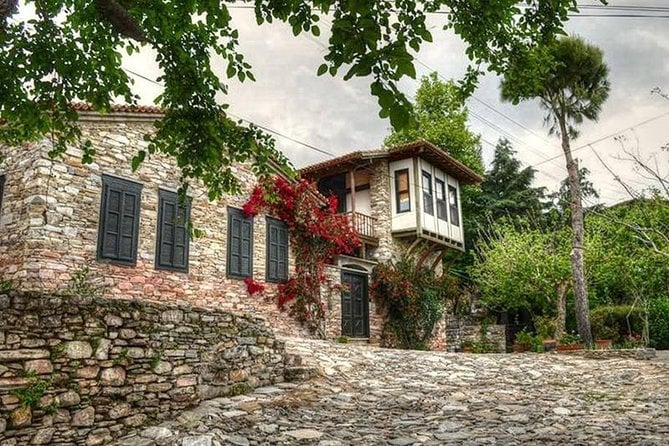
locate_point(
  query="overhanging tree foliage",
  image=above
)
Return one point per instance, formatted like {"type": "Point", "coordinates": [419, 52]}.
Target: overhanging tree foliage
{"type": "Point", "coordinates": [441, 118]}
{"type": "Point", "coordinates": [73, 49]}
{"type": "Point", "coordinates": [569, 77]}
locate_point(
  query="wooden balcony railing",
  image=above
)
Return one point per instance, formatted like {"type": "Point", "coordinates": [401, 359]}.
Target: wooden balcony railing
{"type": "Point", "coordinates": [364, 224]}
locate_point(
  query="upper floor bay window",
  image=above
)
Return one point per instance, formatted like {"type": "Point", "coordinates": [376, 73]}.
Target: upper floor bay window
{"type": "Point", "coordinates": [440, 191]}
{"type": "Point", "coordinates": [453, 205]}
{"type": "Point", "coordinates": [428, 198]}
{"type": "Point", "coordinates": [402, 193]}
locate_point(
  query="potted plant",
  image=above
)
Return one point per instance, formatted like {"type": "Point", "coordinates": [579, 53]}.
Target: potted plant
{"type": "Point", "coordinates": [549, 344]}
{"type": "Point", "coordinates": [467, 345]}
{"type": "Point", "coordinates": [523, 342]}
{"type": "Point", "coordinates": [603, 344]}
{"type": "Point", "coordinates": [570, 342]}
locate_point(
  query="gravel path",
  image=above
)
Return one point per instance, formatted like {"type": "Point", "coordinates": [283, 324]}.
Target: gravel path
{"type": "Point", "coordinates": [369, 396]}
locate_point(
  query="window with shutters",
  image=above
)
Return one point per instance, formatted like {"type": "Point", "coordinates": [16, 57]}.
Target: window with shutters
{"type": "Point", "coordinates": [240, 244]}
{"type": "Point", "coordinates": [172, 234]}
{"type": "Point", "coordinates": [277, 250]}
{"type": "Point", "coordinates": [428, 204]}
{"type": "Point", "coordinates": [402, 195]}
{"type": "Point", "coordinates": [118, 232]}
{"type": "Point", "coordinates": [453, 205]}
{"type": "Point", "coordinates": [440, 192]}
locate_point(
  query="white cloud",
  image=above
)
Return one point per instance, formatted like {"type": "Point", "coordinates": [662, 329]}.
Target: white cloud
{"type": "Point", "coordinates": [339, 116]}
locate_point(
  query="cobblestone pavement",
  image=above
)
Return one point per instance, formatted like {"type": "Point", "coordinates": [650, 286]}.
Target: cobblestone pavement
{"type": "Point", "coordinates": [370, 396]}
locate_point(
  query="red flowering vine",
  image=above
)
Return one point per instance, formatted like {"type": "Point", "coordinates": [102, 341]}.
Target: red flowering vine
{"type": "Point", "coordinates": [317, 234]}
{"type": "Point", "coordinates": [253, 287]}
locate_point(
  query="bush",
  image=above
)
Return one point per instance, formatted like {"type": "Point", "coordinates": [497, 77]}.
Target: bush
{"type": "Point", "coordinates": [616, 322]}
{"type": "Point", "coordinates": [413, 299]}
{"type": "Point", "coordinates": [524, 338]}
{"type": "Point", "coordinates": [658, 323]}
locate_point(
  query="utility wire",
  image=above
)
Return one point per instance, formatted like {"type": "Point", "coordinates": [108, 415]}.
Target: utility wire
{"type": "Point", "coordinates": [267, 129]}
{"type": "Point", "coordinates": [610, 135]}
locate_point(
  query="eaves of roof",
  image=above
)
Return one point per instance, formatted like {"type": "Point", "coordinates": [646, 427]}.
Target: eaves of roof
{"type": "Point", "coordinates": [424, 149]}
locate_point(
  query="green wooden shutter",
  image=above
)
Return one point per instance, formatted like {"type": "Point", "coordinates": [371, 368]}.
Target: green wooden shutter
{"type": "Point", "coordinates": [128, 226]}
{"type": "Point", "coordinates": [277, 250]}
{"type": "Point", "coordinates": [240, 244]}
{"type": "Point", "coordinates": [247, 248]}
{"type": "Point", "coordinates": [172, 239]}
{"type": "Point", "coordinates": [181, 239]}
{"type": "Point", "coordinates": [272, 251]}
{"type": "Point", "coordinates": [282, 272]}
{"type": "Point", "coordinates": [166, 232]}
{"type": "Point", "coordinates": [119, 220]}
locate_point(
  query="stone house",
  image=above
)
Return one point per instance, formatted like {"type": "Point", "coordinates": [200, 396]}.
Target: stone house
{"type": "Point", "coordinates": [400, 199]}
{"type": "Point", "coordinates": [127, 229]}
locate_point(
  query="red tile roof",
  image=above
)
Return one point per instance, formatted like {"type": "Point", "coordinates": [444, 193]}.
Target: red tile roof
{"type": "Point", "coordinates": [121, 108]}
{"type": "Point", "coordinates": [425, 149]}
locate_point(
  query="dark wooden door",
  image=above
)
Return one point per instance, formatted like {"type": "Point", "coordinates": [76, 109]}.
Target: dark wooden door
{"type": "Point", "coordinates": [354, 306]}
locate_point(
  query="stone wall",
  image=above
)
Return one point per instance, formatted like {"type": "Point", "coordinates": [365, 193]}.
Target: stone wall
{"type": "Point", "coordinates": [459, 330]}
{"type": "Point", "coordinates": [23, 172]}
{"type": "Point", "coordinates": [88, 370]}
{"type": "Point", "coordinates": [50, 218]}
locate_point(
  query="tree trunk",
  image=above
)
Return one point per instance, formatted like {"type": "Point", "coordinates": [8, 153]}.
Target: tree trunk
{"type": "Point", "coordinates": [577, 261]}
{"type": "Point", "coordinates": [560, 323]}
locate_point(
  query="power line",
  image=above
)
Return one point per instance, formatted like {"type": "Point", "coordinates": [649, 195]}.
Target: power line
{"type": "Point", "coordinates": [267, 129]}
{"type": "Point", "coordinates": [496, 127]}
{"type": "Point", "coordinates": [644, 122]}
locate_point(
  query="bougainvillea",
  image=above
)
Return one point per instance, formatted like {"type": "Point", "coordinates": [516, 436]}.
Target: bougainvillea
{"type": "Point", "coordinates": [253, 287]}
{"type": "Point", "coordinates": [317, 235]}
{"type": "Point", "coordinates": [414, 300]}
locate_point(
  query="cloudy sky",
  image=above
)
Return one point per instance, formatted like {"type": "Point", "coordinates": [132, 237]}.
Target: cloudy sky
{"type": "Point", "coordinates": [337, 117]}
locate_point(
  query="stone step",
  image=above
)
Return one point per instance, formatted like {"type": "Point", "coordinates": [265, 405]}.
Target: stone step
{"type": "Point", "coordinates": [292, 374]}
{"type": "Point", "coordinates": [292, 360]}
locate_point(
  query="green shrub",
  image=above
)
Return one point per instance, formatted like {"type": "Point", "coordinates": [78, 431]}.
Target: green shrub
{"type": "Point", "coordinates": [342, 339]}
{"type": "Point", "coordinates": [524, 338]}
{"type": "Point", "coordinates": [658, 323]}
{"type": "Point", "coordinates": [570, 338]}
{"type": "Point", "coordinates": [413, 299]}
{"type": "Point", "coordinates": [616, 322]}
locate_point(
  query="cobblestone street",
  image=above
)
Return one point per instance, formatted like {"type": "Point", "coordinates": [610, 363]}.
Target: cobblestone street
{"type": "Point", "coordinates": [369, 396]}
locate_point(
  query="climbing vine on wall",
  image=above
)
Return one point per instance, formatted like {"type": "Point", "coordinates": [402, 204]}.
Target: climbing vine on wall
{"type": "Point", "coordinates": [413, 299]}
{"type": "Point", "coordinates": [317, 234]}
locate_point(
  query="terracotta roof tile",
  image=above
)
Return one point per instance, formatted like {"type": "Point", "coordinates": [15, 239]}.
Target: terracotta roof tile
{"type": "Point", "coordinates": [121, 108]}
{"type": "Point", "coordinates": [425, 149]}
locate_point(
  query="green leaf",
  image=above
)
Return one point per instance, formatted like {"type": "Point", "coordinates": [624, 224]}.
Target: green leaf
{"type": "Point", "coordinates": [138, 159]}
{"type": "Point", "coordinates": [322, 69]}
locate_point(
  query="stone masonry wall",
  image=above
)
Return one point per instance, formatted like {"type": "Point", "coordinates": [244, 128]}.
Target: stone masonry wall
{"type": "Point", "coordinates": [85, 371]}
{"type": "Point", "coordinates": [56, 206]}
{"type": "Point", "coordinates": [22, 172]}
{"type": "Point", "coordinates": [459, 330]}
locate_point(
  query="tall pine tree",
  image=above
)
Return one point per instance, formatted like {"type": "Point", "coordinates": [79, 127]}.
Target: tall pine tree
{"type": "Point", "coordinates": [507, 189]}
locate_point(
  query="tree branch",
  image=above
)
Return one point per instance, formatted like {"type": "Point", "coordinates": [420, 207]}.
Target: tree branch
{"type": "Point", "coordinates": [119, 18]}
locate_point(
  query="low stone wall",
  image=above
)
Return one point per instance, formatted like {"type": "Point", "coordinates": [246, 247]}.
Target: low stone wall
{"type": "Point", "coordinates": [635, 353]}
{"type": "Point", "coordinates": [459, 330]}
{"type": "Point", "coordinates": [85, 371]}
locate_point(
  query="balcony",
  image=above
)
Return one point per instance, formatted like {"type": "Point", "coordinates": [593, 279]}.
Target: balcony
{"type": "Point", "coordinates": [364, 224]}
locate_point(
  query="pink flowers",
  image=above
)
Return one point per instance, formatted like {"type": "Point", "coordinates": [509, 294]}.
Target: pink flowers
{"type": "Point", "coordinates": [317, 234]}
